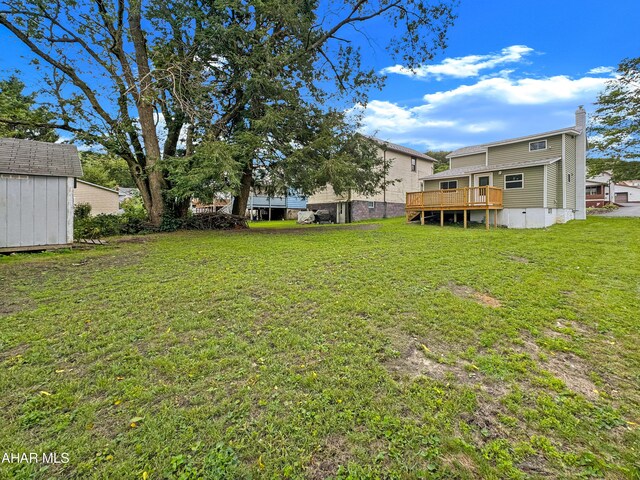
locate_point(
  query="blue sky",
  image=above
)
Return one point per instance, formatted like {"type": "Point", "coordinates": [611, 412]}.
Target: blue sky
{"type": "Point", "coordinates": [512, 67]}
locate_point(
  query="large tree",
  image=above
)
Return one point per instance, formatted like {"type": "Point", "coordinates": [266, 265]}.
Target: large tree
{"type": "Point", "coordinates": [615, 127]}
{"type": "Point", "coordinates": [19, 115]}
{"type": "Point", "coordinates": [217, 84]}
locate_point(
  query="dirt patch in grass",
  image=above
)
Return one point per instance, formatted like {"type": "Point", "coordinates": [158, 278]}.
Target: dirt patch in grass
{"type": "Point", "coordinates": [331, 455]}
{"type": "Point", "coordinates": [463, 291]}
{"type": "Point", "coordinates": [517, 258]}
{"type": "Point", "coordinates": [463, 463]}
{"type": "Point", "coordinates": [419, 360]}
{"type": "Point", "coordinates": [535, 465]}
{"type": "Point", "coordinates": [13, 352]}
{"type": "Point", "coordinates": [566, 366]}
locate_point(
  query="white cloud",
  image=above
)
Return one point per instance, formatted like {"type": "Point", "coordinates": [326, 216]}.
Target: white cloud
{"type": "Point", "coordinates": [601, 70]}
{"type": "Point", "coordinates": [382, 115]}
{"type": "Point", "coordinates": [464, 67]}
{"type": "Point", "coordinates": [525, 91]}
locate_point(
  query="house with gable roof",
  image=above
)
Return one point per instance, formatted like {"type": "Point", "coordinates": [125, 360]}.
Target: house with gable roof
{"type": "Point", "coordinates": [528, 182]}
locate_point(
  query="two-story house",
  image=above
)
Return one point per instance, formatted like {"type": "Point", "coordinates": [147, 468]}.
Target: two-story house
{"type": "Point", "coordinates": [406, 167]}
{"type": "Point", "coordinates": [527, 182]}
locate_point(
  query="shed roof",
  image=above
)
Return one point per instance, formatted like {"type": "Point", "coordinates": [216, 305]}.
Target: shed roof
{"type": "Point", "coordinates": [401, 149]}
{"type": "Point", "coordinates": [29, 157]}
{"type": "Point", "coordinates": [462, 171]}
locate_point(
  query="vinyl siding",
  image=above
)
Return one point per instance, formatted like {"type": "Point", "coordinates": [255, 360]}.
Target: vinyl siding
{"type": "Point", "coordinates": [552, 180]}
{"type": "Point", "coordinates": [559, 183]}
{"type": "Point", "coordinates": [469, 160]}
{"type": "Point", "coordinates": [400, 170]}
{"type": "Point", "coordinates": [570, 165]}
{"type": "Point", "coordinates": [429, 185]}
{"type": "Point", "coordinates": [531, 195]}
{"type": "Point", "coordinates": [519, 152]}
{"type": "Point", "coordinates": [101, 200]}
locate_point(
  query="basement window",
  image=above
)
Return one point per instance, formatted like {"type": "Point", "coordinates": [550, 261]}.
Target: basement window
{"type": "Point", "coordinates": [371, 204]}
{"type": "Point", "coordinates": [447, 185]}
{"type": "Point", "coordinates": [513, 181]}
{"type": "Point", "coordinates": [539, 145]}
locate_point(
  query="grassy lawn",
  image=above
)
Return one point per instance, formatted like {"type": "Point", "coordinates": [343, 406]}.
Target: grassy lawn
{"type": "Point", "coordinates": [372, 351]}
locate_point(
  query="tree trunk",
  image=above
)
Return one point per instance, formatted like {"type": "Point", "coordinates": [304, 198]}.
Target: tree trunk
{"type": "Point", "coordinates": [241, 200]}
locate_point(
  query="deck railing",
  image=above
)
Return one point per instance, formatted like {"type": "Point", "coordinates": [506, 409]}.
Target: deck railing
{"type": "Point", "coordinates": [455, 198]}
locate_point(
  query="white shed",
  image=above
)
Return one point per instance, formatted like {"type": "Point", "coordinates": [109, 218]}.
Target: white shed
{"type": "Point", "coordinates": [36, 194]}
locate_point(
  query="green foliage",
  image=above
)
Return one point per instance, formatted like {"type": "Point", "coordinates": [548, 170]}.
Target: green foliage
{"type": "Point", "coordinates": [19, 115]}
{"type": "Point", "coordinates": [615, 128]}
{"type": "Point", "coordinates": [106, 170]}
{"type": "Point", "coordinates": [621, 170]}
{"type": "Point", "coordinates": [132, 221]}
{"type": "Point", "coordinates": [442, 162]}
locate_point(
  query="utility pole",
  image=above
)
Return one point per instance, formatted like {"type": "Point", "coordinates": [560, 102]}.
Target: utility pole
{"type": "Point", "coordinates": [384, 185]}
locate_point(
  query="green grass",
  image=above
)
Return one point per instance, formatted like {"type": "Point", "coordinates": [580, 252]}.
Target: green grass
{"type": "Point", "coordinates": [395, 351]}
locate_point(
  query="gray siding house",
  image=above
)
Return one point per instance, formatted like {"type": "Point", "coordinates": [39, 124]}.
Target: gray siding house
{"type": "Point", "coordinates": [526, 182]}
{"type": "Point", "coordinates": [36, 194]}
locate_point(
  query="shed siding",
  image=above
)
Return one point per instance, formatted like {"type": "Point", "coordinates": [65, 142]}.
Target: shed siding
{"type": "Point", "coordinates": [528, 197]}
{"type": "Point", "coordinates": [101, 200]}
{"type": "Point", "coordinates": [429, 185]}
{"type": "Point", "coordinates": [469, 160]}
{"type": "Point", "coordinates": [519, 152]}
{"type": "Point", "coordinates": [570, 164]}
{"type": "Point", "coordinates": [33, 210]}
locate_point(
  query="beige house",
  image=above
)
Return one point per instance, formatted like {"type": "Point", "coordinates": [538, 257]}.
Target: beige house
{"type": "Point", "coordinates": [101, 199]}
{"type": "Point", "coordinates": [405, 164]}
{"type": "Point", "coordinates": [527, 182]}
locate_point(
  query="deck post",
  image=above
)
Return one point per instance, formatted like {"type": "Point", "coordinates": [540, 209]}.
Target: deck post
{"type": "Point", "coordinates": [455, 217]}
{"type": "Point", "coordinates": [441, 217]}
{"type": "Point", "coordinates": [495, 222]}
{"type": "Point", "coordinates": [422, 217]}
{"type": "Point", "coordinates": [465, 218]}
{"type": "Point", "coordinates": [487, 219]}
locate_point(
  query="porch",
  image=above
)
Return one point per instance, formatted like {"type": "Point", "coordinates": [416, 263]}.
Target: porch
{"type": "Point", "coordinates": [456, 199]}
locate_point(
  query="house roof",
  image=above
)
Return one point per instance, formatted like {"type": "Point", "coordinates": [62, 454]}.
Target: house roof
{"type": "Point", "coordinates": [462, 171]}
{"type": "Point", "coordinates": [483, 147]}
{"type": "Point", "coordinates": [29, 157]}
{"type": "Point", "coordinates": [401, 149]}
{"type": "Point", "coordinates": [98, 186]}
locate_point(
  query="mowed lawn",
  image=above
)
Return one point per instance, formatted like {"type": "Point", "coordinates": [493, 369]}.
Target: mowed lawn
{"type": "Point", "coordinates": [379, 350]}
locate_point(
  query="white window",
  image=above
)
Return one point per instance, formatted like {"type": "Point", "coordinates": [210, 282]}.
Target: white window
{"type": "Point", "coordinates": [449, 184]}
{"type": "Point", "coordinates": [371, 204]}
{"type": "Point", "coordinates": [539, 145]}
{"type": "Point", "coordinates": [413, 164]}
{"type": "Point", "coordinates": [515, 180]}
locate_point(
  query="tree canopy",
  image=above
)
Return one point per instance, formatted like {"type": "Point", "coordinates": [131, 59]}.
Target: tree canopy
{"type": "Point", "coordinates": [19, 116]}
{"type": "Point", "coordinates": [615, 127]}
{"type": "Point", "coordinates": [106, 170]}
{"type": "Point", "coordinates": [442, 162]}
{"type": "Point", "coordinates": [215, 91]}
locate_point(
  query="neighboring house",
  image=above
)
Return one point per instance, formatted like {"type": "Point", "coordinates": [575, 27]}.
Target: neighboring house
{"type": "Point", "coordinates": [36, 194]}
{"type": "Point", "coordinates": [125, 193]}
{"type": "Point", "coordinates": [627, 192]}
{"type": "Point", "coordinates": [264, 207]}
{"type": "Point", "coordinates": [405, 164]}
{"type": "Point", "coordinates": [528, 182]}
{"type": "Point", "coordinates": [600, 190]}
{"type": "Point", "coordinates": [101, 199]}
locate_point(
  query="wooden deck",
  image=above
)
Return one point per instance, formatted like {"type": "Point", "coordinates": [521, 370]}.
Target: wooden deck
{"type": "Point", "coordinates": [455, 199]}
